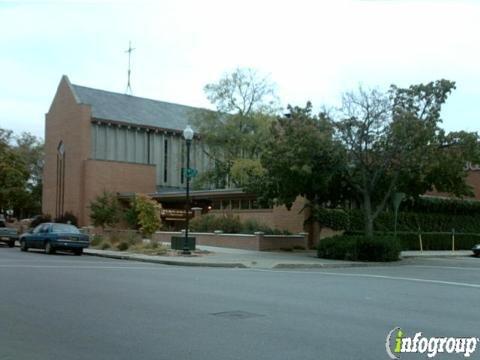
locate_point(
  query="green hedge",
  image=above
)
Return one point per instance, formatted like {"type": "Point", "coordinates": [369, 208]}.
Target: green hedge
{"type": "Point", "coordinates": [431, 241]}
{"type": "Point", "coordinates": [359, 248]}
{"type": "Point", "coordinates": [443, 206]}
{"type": "Point", "coordinates": [352, 220]}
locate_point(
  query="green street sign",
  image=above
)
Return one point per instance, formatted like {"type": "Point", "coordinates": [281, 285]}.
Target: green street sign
{"type": "Point", "coordinates": [191, 172]}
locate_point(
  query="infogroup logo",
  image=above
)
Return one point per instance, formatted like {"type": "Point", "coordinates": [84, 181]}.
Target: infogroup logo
{"type": "Point", "coordinates": [397, 343]}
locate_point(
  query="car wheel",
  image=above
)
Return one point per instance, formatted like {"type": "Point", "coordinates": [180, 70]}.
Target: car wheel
{"type": "Point", "coordinates": [78, 252]}
{"type": "Point", "coordinates": [49, 248]}
{"type": "Point", "coordinates": [11, 243]}
{"type": "Point", "coordinates": [23, 245]}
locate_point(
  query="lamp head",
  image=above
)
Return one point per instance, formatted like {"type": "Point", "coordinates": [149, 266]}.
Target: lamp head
{"type": "Point", "coordinates": [188, 133]}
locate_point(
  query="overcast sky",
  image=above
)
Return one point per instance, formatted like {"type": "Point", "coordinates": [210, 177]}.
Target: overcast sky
{"type": "Point", "coordinates": [312, 50]}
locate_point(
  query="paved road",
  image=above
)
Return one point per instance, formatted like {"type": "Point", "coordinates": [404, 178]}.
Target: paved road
{"type": "Point", "coordinates": [66, 307]}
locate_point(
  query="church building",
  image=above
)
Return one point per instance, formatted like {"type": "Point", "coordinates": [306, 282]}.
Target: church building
{"type": "Point", "coordinates": [98, 140]}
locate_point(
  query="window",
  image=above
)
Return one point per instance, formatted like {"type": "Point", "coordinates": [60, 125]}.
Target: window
{"type": "Point", "coordinates": [37, 229]}
{"type": "Point", "coordinates": [182, 170]}
{"type": "Point", "coordinates": [65, 228]}
{"type": "Point", "coordinates": [165, 161]}
{"type": "Point", "coordinates": [235, 204]}
{"type": "Point", "coordinates": [60, 188]}
{"type": "Point", "coordinates": [225, 204]}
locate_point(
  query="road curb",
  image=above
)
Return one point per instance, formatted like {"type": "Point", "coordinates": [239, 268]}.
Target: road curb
{"type": "Point", "coordinates": [168, 262]}
{"type": "Point", "coordinates": [331, 266]}
{"type": "Point", "coordinates": [234, 265]}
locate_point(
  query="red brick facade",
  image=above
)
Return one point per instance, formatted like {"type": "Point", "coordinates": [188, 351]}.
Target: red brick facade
{"type": "Point", "coordinates": [69, 122]}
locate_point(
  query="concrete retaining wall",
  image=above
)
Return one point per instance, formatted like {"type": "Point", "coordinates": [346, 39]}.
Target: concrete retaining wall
{"type": "Point", "coordinates": [258, 241]}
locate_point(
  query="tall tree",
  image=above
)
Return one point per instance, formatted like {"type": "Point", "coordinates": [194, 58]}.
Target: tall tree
{"type": "Point", "coordinates": [394, 143]}
{"type": "Point", "coordinates": [302, 157]}
{"type": "Point", "coordinates": [13, 173]}
{"type": "Point", "coordinates": [21, 163]}
{"type": "Point", "coordinates": [235, 134]}
{"type": "Point", "coordinates": [31, 150]}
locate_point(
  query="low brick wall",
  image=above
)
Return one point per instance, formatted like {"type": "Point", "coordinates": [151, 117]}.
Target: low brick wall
{"type": "Point", "coordinates": [258, 241]}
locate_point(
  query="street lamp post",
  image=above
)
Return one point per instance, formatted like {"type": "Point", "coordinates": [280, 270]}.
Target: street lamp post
{"type": "Point", "coordinates": [188, 136]}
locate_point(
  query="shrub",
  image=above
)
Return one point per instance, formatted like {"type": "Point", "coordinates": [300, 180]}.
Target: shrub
{"type": "Point", "coordinates": [250, 226]}
{"type": "Point", "coordinates": [229, 223]}
{"type": "Point", "coordinates": [204, 223]}
{"type": "Point", "coordinates": [438, 241]}
{"type": "Point", "coordinates": [442, 205]}
{"type": "Point", "coordinates": [359, 248]}
{"type": "Point", "coordinates": [96, 240]}
{"type": "Point", "coordinates": [105, 245]}
{"type": "Point", "coordinates": [105, 210]}
{"type": "Point", "coordinates": [407, 221]}
{"type": "Point", "coordinates": [40, 219]}
{"type": "Point", "coordinates": [133, 238]}
{"type": "Point", "coordinates": [336, 219]}
{"type": "Point", "coordinates": [123, 246]}
{"type": "Point", "coordinates": [131, 217]}
{"type": "Point", "coordinates": [67, 218]}
{"type": "Point", "coordinates": [148, 212]}
{"type": "Point", "coordinates": [209, 222]}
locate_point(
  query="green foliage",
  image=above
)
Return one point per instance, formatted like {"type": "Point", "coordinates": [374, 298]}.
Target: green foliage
{"type": "Point", "coordinates": [148, 212]}
{"type": "Point", "coordinates": [131, 216]}
{"type": "Point", "coordinates": [231, 224]}
{"type": "Point", "coordinates": [395, 143]}
{"type": "Point", "coordinates": [123, 246]}
{"type": "Point", "coordinates": [378, 143]}
{"type": "Point", "coordinates": [105, 245]}
{"type": "Point", "coordinates": [244, 170]}
{"type": "Point", "coordinates": [336, 219]}
{"type": "Point", "coordinates": [105, 210]}
{"type": "Point", "coordinates": [442, 205]}
{"type": "Point", "coordinates": [359, 248]}
{"type": "Point", "coordinates": [21, 164]}
{"type": "Point", "coordinates": [238, 130]}
{"type": "Point", "coordinates": [301, 158]}
{"type": "Point", "coordinates": [67, 218]}
{"type": "Point", "coordinates": [438, 241]}
{"type": "Point", "coordinates": [40, 219]}
{"type": "Point", "coordinates": [243, 91]}
{"type": "Point", "coordinates": [96, 240]}
{"type": "Point", "coordinates": [228, 223]}
{"type": "Point", "coordinates": [353, 221]}
{"type": "Point", "coordinates": [250, 226]}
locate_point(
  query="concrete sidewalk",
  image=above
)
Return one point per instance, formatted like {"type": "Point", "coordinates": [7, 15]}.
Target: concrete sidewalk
{"type": "Point", "coordinates": [436, 253]}
{"type": "Point", "coordinates": [236, 258]}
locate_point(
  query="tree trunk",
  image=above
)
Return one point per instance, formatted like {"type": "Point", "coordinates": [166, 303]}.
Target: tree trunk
{"type": "Point", "coordinates": [368, 216]}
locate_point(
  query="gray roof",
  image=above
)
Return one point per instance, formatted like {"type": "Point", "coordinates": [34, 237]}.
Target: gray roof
{"type": "Point", "coordinates": [135, 110]}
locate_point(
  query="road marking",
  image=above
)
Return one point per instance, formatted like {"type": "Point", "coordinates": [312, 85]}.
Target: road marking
{"type": "Point", "coordinates": [59, 262]}
{"type": "Point", "coordinates": [84, 267]}
{"type": "Point", "coordinates": [445, 267]}
{"type": "Point", "coordinates": [386, 277]}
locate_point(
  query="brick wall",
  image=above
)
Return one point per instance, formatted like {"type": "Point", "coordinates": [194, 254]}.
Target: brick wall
{"type": "Point", "coordinates": [277, 218]}
{"type": "Point", "coordinates": [257, 242]}
{"type": "Point", "coordinates": [115, 176]}
{"type": "Point", "coordinates": [69, 122]}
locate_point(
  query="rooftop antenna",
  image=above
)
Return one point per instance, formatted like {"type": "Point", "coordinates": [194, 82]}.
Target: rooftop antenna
{"type": "Point", "coordinates": [129, 51]}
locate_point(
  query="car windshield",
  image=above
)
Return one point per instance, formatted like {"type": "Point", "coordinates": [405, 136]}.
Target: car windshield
{"type": "Point", "coordinates": [65, 228]}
